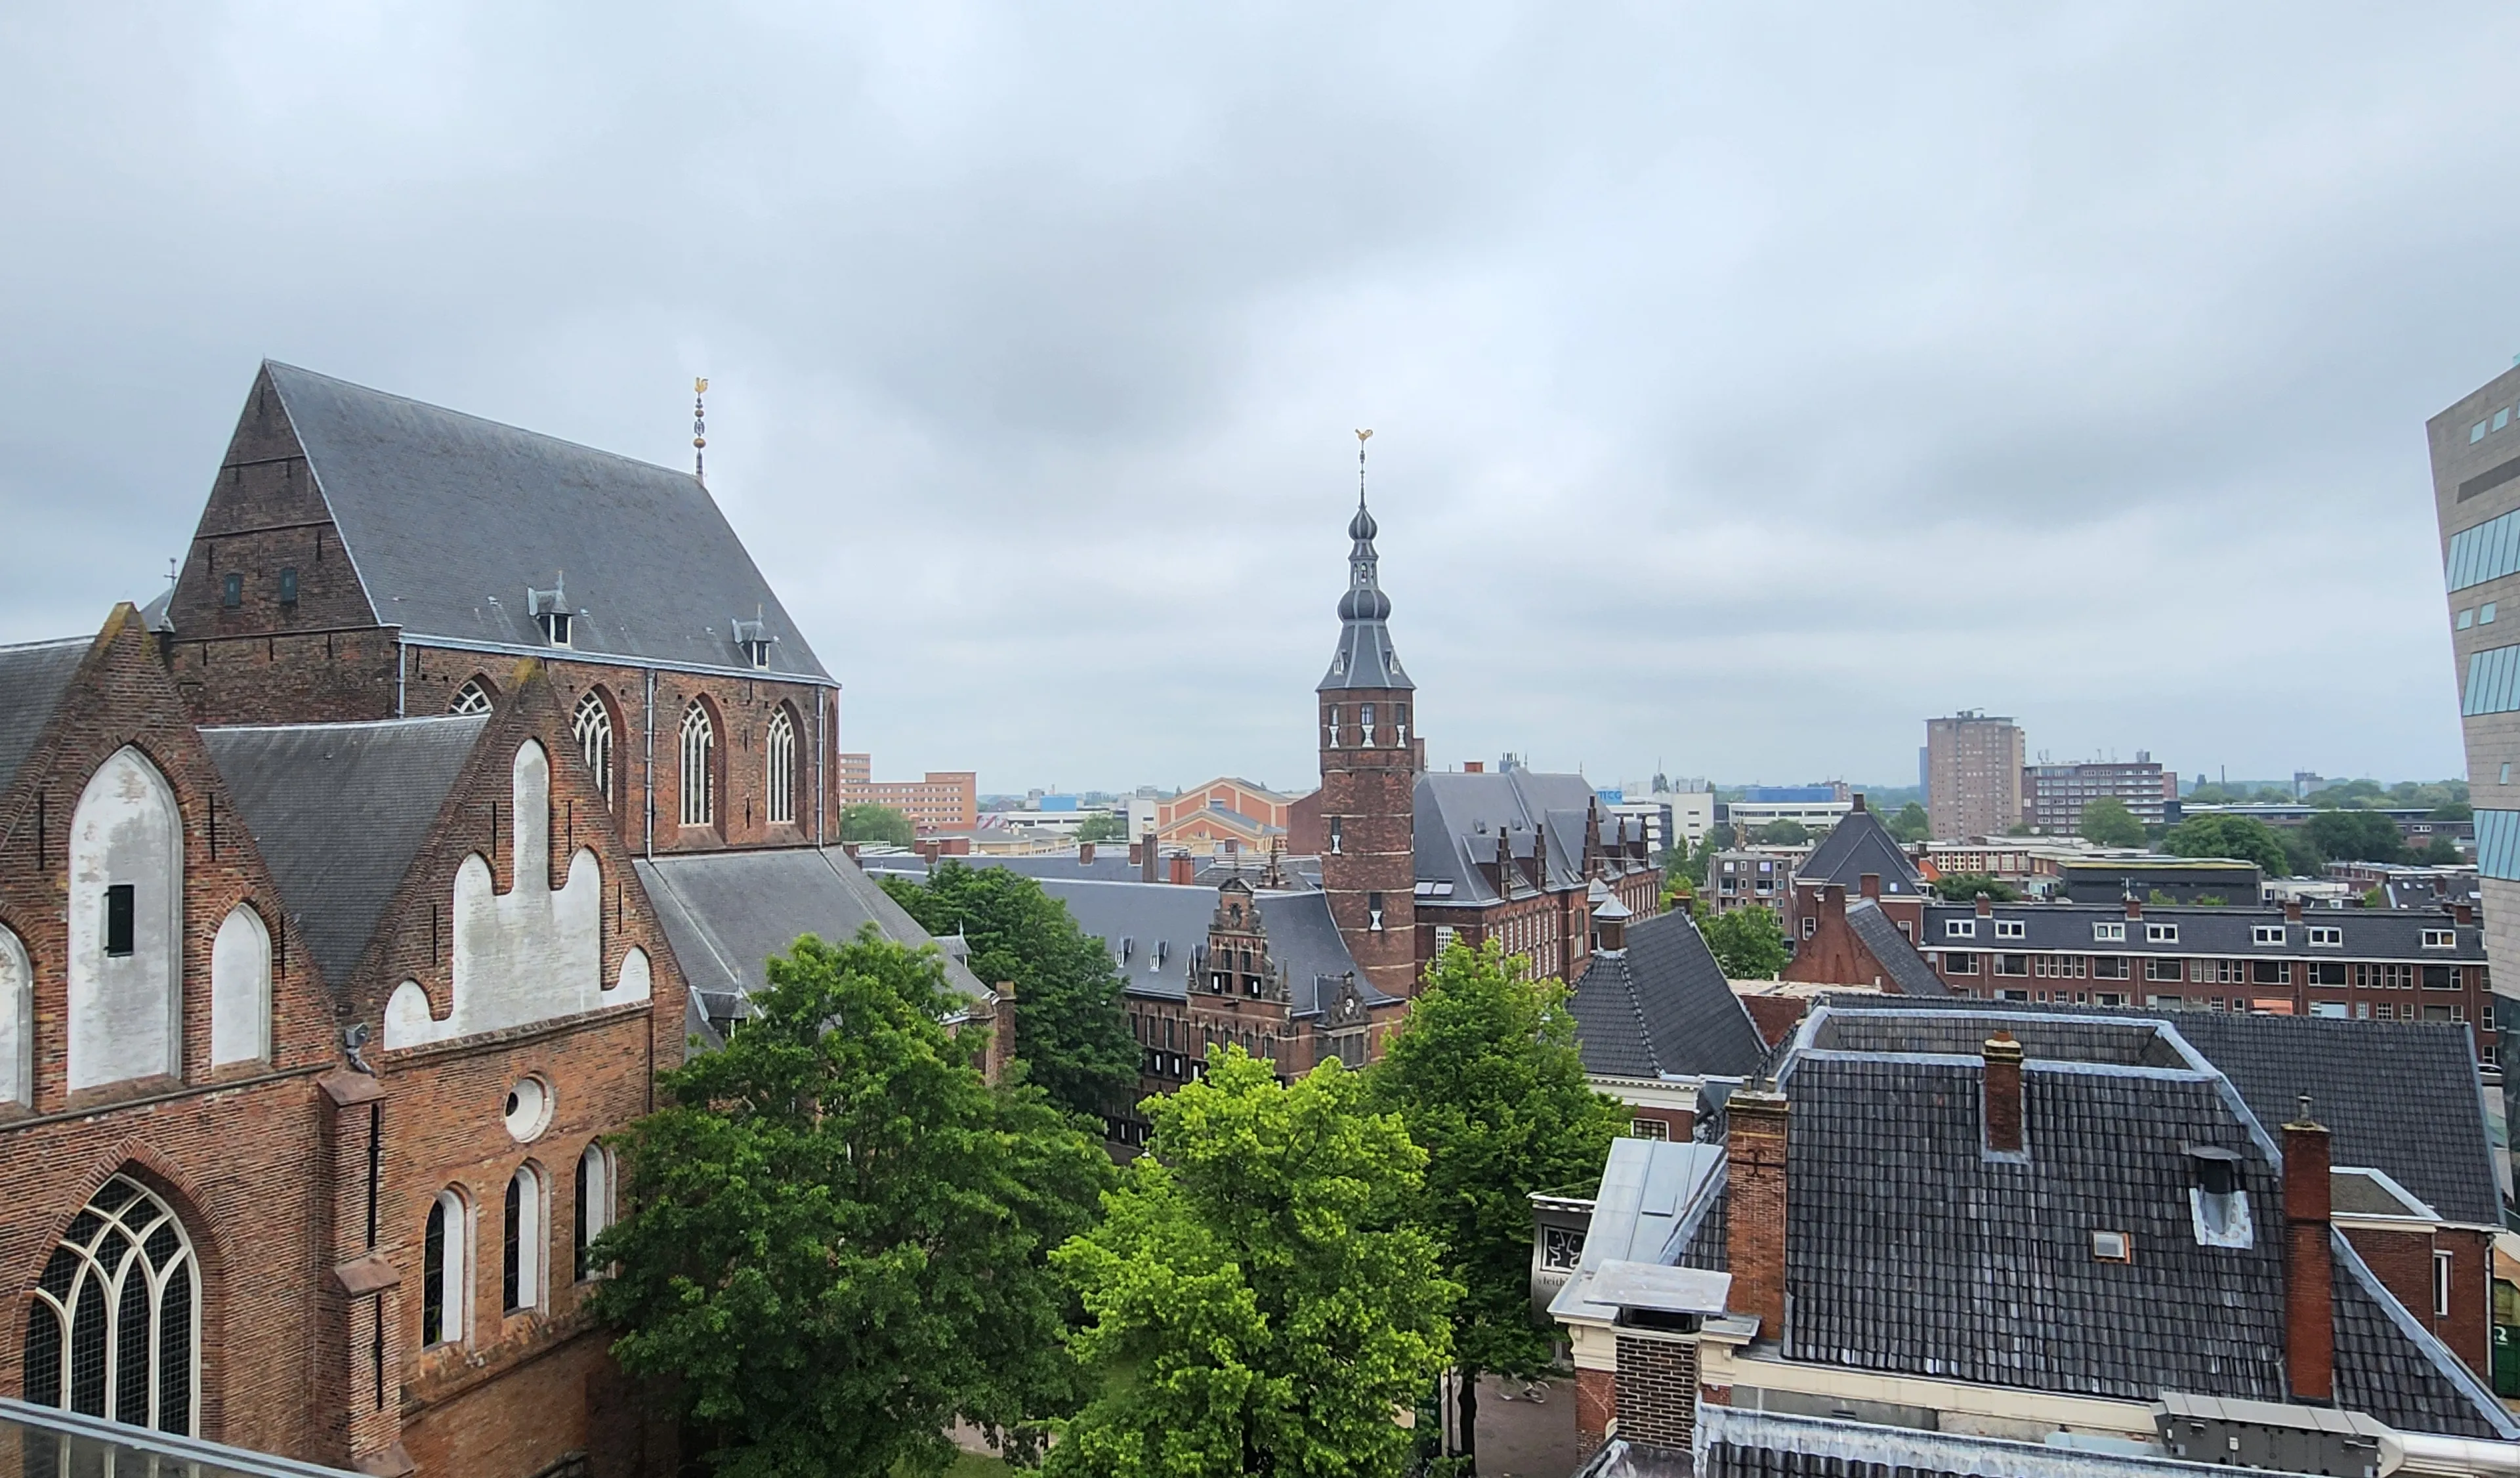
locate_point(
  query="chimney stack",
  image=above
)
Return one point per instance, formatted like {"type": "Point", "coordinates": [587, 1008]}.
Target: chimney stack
{"type": "Point", "coordinates": [2133, 906]}
{"type": "Point", "coordinates": [2002, 1094]}
{"type": "Point", "coordinates": [1985, 907]}
{"type": "Point", "coordinates": [1832, 901]}
{"type": "Point", "coordinates": [1859, 802]}
{"type": "Point", "coordinates": [1754, 1205]}
{"type": "Point", "coordinates": [2462, 912]}
{"type": "Point", "coordinates": [1869, 885]}
{"type": "Point", "coordinates": [1085, 854]}
{"type": "Point", "coordinates": [1136, 853]}
{"type": "Point", "coordinates": [1474, 767]}
{"type": "Point", "coordinates": [2292, 910]}
{"type": "Point", "coordinates": [1144, 857]}
{"type": "Point", "coordinates": [1184, 872]}
{"type": "Point", "coordinates": [2309, 1271]}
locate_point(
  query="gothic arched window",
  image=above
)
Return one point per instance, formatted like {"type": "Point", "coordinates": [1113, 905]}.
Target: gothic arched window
{"type": "Point", "coordinates": [593, 1201]}
{"type": "Point", "coordinates": [473, 697]}
{"type": "Point", "coordinates": [114, 1330]}
{"type": "Point", "coordinates": [700, 759]}
{"type": "Point", "coordinates": [443, 1289]}
{"type": "Point", "coordinates": [778, 759]}
{"type": "Point", "coordinates": [520, 1265]}
{"type": "Point", "coordinates": [592, 723]}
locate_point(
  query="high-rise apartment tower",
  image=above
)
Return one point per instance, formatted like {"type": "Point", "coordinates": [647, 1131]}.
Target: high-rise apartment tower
{"type": "Point", "coordinates": [1972, 775]}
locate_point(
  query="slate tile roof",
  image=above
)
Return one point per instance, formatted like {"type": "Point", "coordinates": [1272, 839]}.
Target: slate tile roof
{"type": "Point", "coordinates": [449, 520]}
{"type": "Point", "coordinates": [2400, 1096]}
{"type": "Point", "coordinates": [339, 811]}
{"type": "Point", "coordinates": [726, 913]}
{"type": "Point", "coordinates": [1663, 1007]}
{"type": "Point", "coordinates": [32, 679]}
{"type": "Point", "coordinates": [1913, 1251]}
{"type": "Point", "coordinates": [2066, 927]}
{"type": "Point", "coordinates": [1859, 844]}
{"type": "Point", "coordinates": [1460, 815]}
{"type": "Point", "coordinates": [1908, 970]}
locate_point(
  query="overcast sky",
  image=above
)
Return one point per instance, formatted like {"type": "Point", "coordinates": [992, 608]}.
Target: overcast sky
{"type": "Point", "coordinates": [1749, 381]}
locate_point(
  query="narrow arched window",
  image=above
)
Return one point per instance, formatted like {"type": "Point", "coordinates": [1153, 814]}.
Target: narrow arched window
{"type": "Point", "coordinates": [594, 1202]}
{"type": "Point", "coordinates": [592, 723]}
{"type": "Point", "coordinates": [441, 1271]}
{"type": "Point", "coordinates": [779, 756]}
{"type": "Point", "coordinates": [114, 1330]}
{"type": "Point", "coordinates": [473, 697]}
{"type": "Point", "coordinates": [700, 758]}
{"type": "Point", "coordinates": [520, 1265]}
{"type": "Point", "coordinates": [125, 994]}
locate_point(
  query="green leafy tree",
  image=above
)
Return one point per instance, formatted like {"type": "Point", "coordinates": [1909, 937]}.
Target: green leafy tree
{"type": "Point", "coordinates": [1911, 825]}
{"type": "Point", "coordinates": [838, 1233]}
{"type": "Point", "coordinates": [2243, 837]}
{"type": "Point", "coordinates": [1748, 942]}
{"type": "Point", "coordinates": [873, 823]}
{"type": "Point", "coordinates": [1071, 1024]}
{"type": "Point", "coordinates": [1257, 1298]}
{"type": "Point", "coordinates": [1964, 888]}
{"type": "Point", "coordinates": [2108, 822]}
{"type": "Point", "coordinates": [1487, 1077]}
{"type": "Point", "coordinates": [2357, 835]}
{"type": "Point", "coordinates": [1783, 833]}
{"type": "Point", "coordinates": [2440, 852]}
{"type": "Point", "coordinates": [1103, 826]}
{"type": "Point", "coordinates": [2454, 810]}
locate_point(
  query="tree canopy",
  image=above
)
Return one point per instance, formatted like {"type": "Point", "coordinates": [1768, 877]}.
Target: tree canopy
{"type": "Point", "coordinates": [1963, 887]}
{"type": "Point", "coordinates": [1102, 827]}
{"type": "Point", "coordinates": [837, 1233]}
{"type": "Point", "coordinates": [2357, 835]}
{"type": "Point", "coordinates": [1783, 832]}
{"type": "Point", "coordinates": [1486, 1075]}
{"type": "Point", "coordinates": [2237, 836]}
{"type": "Point", "coordinates": [1257, 1298]}
{"type": "Point", "coordinates": [1747, 941]}
{"type": "Point", "coordinates": [2106, 821]}
{"type": "Point", "coordinates": [867, 822]}
{"type": "Point", "coordinates": [1911, 825]}
{"type": "Point", "coordinates": [1072, 1023]}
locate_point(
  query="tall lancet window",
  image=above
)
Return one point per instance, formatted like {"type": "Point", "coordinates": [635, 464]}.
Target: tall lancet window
{"type": "Point", "coordinates": [114, 1329]}
{"type": "Point", "coordinates": [1334, 725]}
{"type": "Point", "coordinates": [779, 755]}
{"type": "Point", "coordinates": [1364, 722]}
{"type": "Point", "coordinates": [593, 725]}
{"type": "Point", "coordinates": [699, 757]}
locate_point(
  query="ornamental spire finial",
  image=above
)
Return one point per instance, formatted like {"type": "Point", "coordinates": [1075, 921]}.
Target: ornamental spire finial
{"type": "Point", "coordinates": [1362, 438]}
{"type": "Point", "coordinates": [699, 430]}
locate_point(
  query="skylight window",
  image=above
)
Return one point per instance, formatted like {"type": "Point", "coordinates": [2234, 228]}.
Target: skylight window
{"type": "Point", "coordinates": [2112, 1246]}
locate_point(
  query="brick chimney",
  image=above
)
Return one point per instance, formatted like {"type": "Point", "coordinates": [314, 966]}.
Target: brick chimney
{"type": "Point", "coordinates": [851, 849]}
{"type": "Point", "coordinates": [1136, 853]}
{"type": "Point", "coordinates": [2002, 1095]}
{"type": "Point", "coordinates": [1985, 907]}
{"type": "Point", "coordinates": [1833, 902]}
{"type": "Point", "coordinates": [2133, 906]}
{"type": "Point", "coordinates": [1144, 857]}
{"type": "Point", "coordinates": [2310, 1272]}
{"type": "Point", "coordinates": [1754, 1210]}
{"type": "Point", "coordinates": [1868, 886]}
{"type": "Point", "coordinates": [2462, 912]}
{"type": "Point", "coordinates": [1474, 767]}
{"type": "Point", "coordinates": [1085, 854]}
{"type": "Point", "coordinates": [1859, 801]}
{"type": "Point", "coordinates": [2292, 910]}
{"type": "Point", "coordinates": [1184, 872]}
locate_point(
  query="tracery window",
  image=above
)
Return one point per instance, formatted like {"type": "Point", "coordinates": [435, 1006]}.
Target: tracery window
{"type": "Point", "coordinates": [699, 752]}
{"type": "Point", "coordinates": [521, 1262]}
{"type": "Point", "coordinates": [472, 697]}
{"type": "Point", "coordinates": [592, 723]}
{"type": "Point", "coordinates": [114, 1330]}
{"type": "Point", "coordinates": [778, 754]}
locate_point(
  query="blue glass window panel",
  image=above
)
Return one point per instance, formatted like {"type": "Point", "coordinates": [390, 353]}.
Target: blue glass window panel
{"type": "Point", "coordinates": [2498, 844]}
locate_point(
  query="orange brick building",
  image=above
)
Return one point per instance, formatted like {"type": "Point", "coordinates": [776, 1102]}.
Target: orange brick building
{"type": "Point", "coordinates": [947, 800]}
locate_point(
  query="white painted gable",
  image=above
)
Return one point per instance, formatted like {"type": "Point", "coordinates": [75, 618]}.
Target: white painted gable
{"type": "Point", "coordinates": [126, 1010]}
{"type": "Point", "coordinates": [526, 956]}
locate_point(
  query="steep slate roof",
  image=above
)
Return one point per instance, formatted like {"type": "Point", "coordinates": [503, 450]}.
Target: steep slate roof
{"type": "Point", "coordinates": [32, 679]}
{"type": "Point", "coordinates": [1913, 1251]}
{"type": "Point", "coordinates": [1859, 844]}
{"type": "Point", "coordinates": [339, 811]}
{"type": "Point", "coordinates": [1459, 816]}
{"type": "Point", "coordinates": [2403, 1097]}
{"type": "Point", "coordinates": [726, 913]}
{"type": "Point", "coordinates": [1132, 917]}
{"type": "Point", "coordinates": [1662, 1005]}
{"type": "Point", "coordinates": [1908, 970]}
{"type": "Point", "coordinates": [449, 520]}
{"type": "Point", "coordinates": [2369, 933]}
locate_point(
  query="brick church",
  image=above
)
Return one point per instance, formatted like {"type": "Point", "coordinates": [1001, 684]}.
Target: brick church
{"type": "Point", "coordinates": [343, 900]}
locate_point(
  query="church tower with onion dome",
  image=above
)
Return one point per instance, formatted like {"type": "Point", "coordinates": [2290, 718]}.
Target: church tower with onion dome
{"type": "Point", "coordinates": [1371, 758]}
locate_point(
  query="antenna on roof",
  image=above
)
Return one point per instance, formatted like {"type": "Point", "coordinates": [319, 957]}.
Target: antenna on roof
{"type": "Point", "coordinates": [699, 430]}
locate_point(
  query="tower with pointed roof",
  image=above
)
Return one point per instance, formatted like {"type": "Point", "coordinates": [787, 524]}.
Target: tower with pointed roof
{"type": "Point", "coordinates": [1371, 758]}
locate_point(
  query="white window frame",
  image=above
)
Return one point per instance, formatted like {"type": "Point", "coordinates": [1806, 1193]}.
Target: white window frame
{"type": "Point", "coordinates": [592, 724]}
{"type": "Point", "coordinates": [2012, 928]}
{"type": "Point", "coordinates": [2161, 933]}
{"type": "Point", "coordinates": [532, 1244]}
{"type": "Point", "coordinates": [2441, 939]}
{"type": "Point", "coordinates": [779, 769]}
{"type": "Point", "coordinates": [2266, 933]}
{"type": "Point", "coordinates": [1960, 928]}
{"type": "Point", "coordinates": [596, 1198]}
{"type": "Point", "coordinates": [698, 798]}
{"type": "Point", "coordinates": [2441, 1284]}
{"type": "Point", "coordinates": [2112, 931]}
{"type": "Point", "coordinates": [472, 697]}
{"type": "Point", "coordinates": [454, 1270]}
{"type": "Point", "coordinates": [2327, 935]}
{"type": "Point", "coordinates": [138, 1216]}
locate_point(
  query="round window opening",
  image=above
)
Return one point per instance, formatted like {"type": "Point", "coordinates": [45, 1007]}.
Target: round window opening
{"type": "Point", "coordinates": [530, 1108]}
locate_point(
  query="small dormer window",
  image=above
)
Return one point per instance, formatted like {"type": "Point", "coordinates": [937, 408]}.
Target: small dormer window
{"type": "Point", "coordinates": [1960, 928]}
{"type": "Point", "coordinates": [2266, 933]}
{"type": "Point", "coordinates": [2010, 928]}
{"type": "Point", "coordinates": [757, 652]}
{"type": "Point", "coordinates": [2441, 939]}
{"type": "Point", "coordinates": [2161, 933]}
{"type": "Point", "coordinates": [2217, 1200]}
{"type": "Point", "coordinates": [753, 639]}
{"type": "Point", "coordinates": [555, 627]}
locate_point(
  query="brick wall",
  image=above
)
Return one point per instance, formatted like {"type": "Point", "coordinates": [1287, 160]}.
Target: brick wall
{"type": "Point", "coordinates": [1657, 1391]}
{"type": "Point", "coordinates": [1372, 796]}
{"type": "Point", "coordinates": [237, 1153]}
{"type": "Point", "coordinates": [1597, 1405]}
